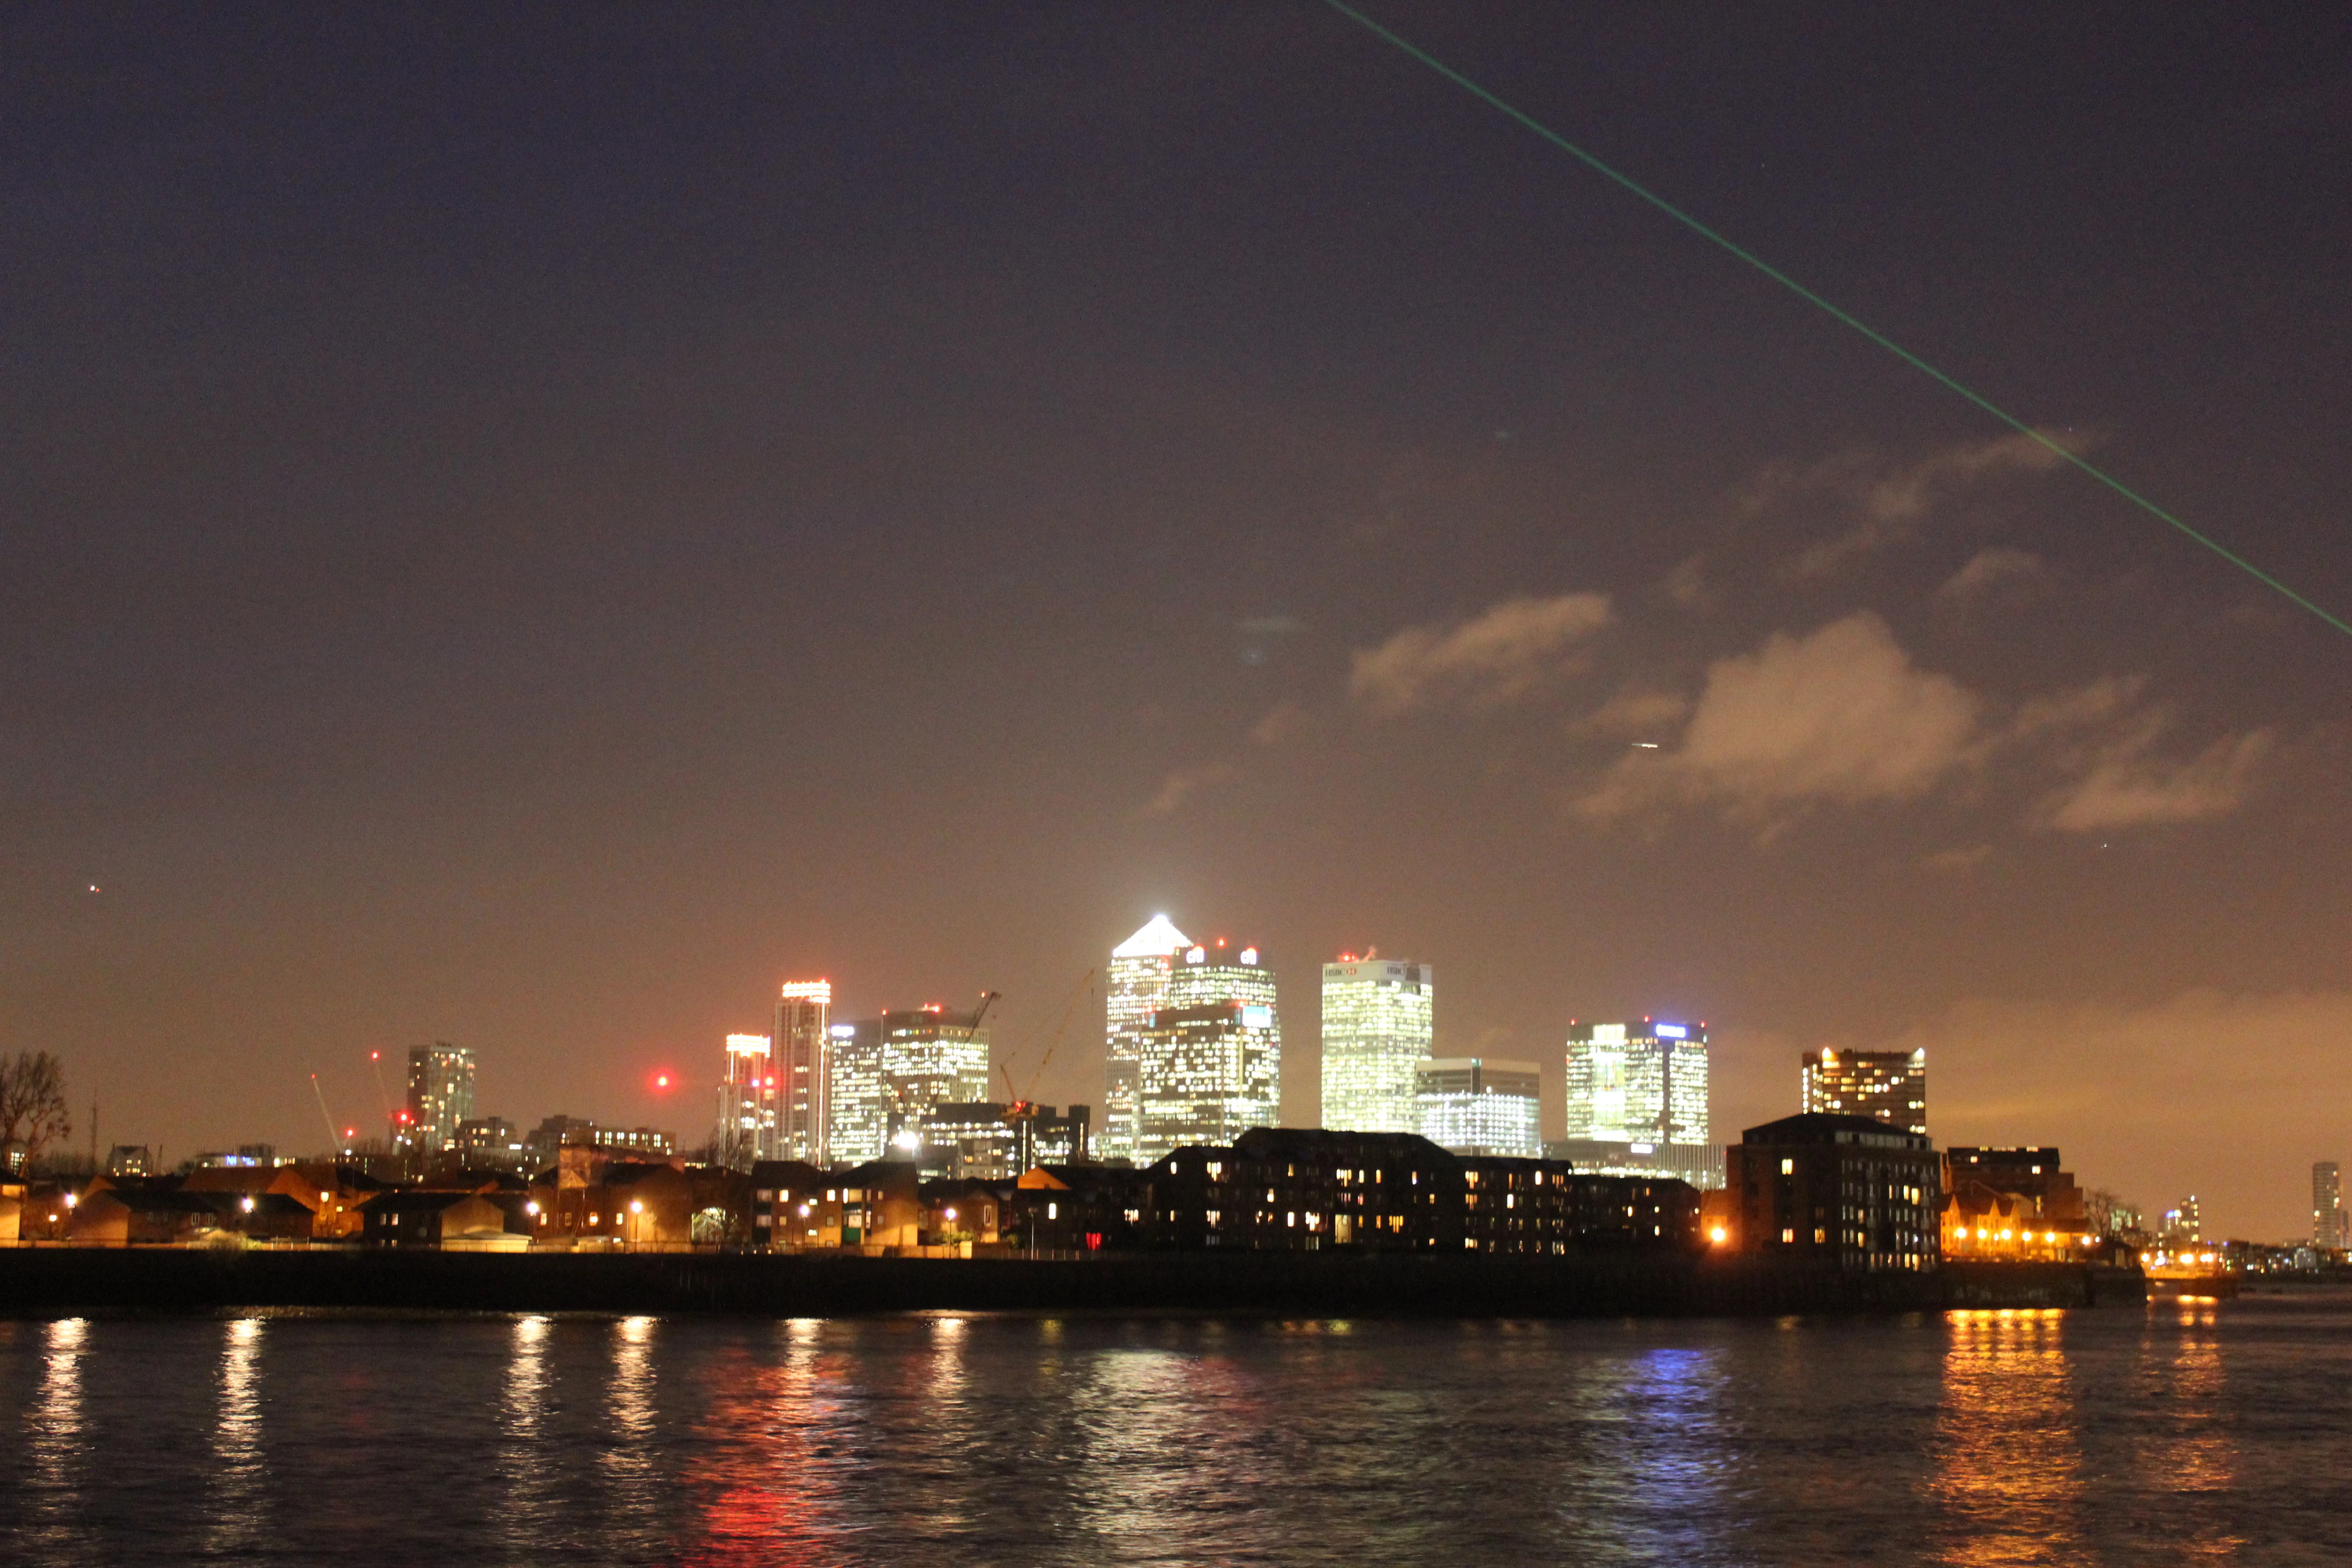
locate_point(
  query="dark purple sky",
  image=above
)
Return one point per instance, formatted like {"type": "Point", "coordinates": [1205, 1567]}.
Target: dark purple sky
{"type": "Point", "coordinates": [528, 526]}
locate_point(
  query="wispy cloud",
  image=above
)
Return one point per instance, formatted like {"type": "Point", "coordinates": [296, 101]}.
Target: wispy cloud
{"type": "Point", "coordinates": [1887, 503]}
{"type": "Point", "coordinates": [1636, 713]}
{"type": "Point", "coordinates": [1838, 716]}
{"type": "Point", "coordinates": [1494, 657]}
{"type": "Point", "coordinates": [2105, 741]}
{"type": "Point", "coordinates": [1995, 573]}
{"type": "Point", "coordinates": [2128, 786]}
{"type": "Point", "coordinates": [1180, 787]}
{"type": "Point", "coordinates": [1842, 716]}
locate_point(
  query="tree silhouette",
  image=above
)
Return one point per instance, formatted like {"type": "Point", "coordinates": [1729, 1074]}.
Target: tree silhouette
{"type": "Point", "coordinates": [32, 1106]}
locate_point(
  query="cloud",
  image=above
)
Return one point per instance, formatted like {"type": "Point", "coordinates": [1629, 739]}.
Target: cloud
{"type": "Point", "coordinates": [1634, 713]}
{"type": "Point", "coordinates": [1492, 657]}
{"type": "Point", "coordinates": [1839, 716]}
{"type": "Point", "coordinates": [2093, 706]}
{"type": "Point", "coordinates": [2101, 737]}
{"type": "Point", "coordinates": [1890, 500]}
{"type": "Point", "coordinates": [1181, 786]}
{"type": "Point", "coordinates": [1957, 862]}
{"type": "Point", "coordinates": [1999, 573]}
{"type": "Point", "coordinates": [2128, 787]}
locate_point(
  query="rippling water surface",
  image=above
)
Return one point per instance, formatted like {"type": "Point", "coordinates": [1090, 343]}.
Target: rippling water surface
{"type": "Point", "coordinates": [2179, 1433]}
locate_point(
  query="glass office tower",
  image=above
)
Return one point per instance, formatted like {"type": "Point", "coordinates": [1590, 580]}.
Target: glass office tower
{"type": "Point", "coordinates": [1211, 1065]}
{"type": "Point", "coordinates": [1136, 988]}
{"type": "Point", "coordinates": [1378, 1029]}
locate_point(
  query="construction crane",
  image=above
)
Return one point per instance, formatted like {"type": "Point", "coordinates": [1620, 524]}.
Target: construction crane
{"type": "Point", "coordinates": [1020, 1111]}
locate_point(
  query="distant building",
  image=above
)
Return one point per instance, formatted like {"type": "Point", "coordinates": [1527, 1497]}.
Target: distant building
{"type": "Point", "coordinates": [857, 1097]}
{"type": "Point", "coordinates": [254, 1156]}
{"type": "Point", "coordinates": [803, 1010]}
{"type": "Point", "coordinates": [1211, 1056]}
{"type": "Point", "coordinates": [1890, 1086]}
{"type": "Point", "coordinates": [992, 1141]}
{"type": "Point", "coordinates": [492, 1143]}
{"type": "Point", "coordinates": [130, 1160]}
{"type": "Point", "coordinates": [1848, 1193]}
{"type": "Point", "coordinates": [2186, 1223]}
{"type": "Point", "coordinates": [440, 1096]}
{"type": "Point", "coordinates": [2330, 1226]}
{"type": "Point", "coordinates": [747, 1103]}
{"type": "Point", "coordinates": [931, 1056]}
{"type": "Point", "coordinates": [1469, 1105]}
{"type": "Point", "coordinates": [1638, 1102]}
{"type": "Point", "coordinates": [1137, 987]}
{"type": "Point", "coordinates": [888, 1074]}
{"type": "Point", "coordinates": [2035, 1174]}
{"type": "Point", "coordinates": [556, 1133]}
{"type": "Point", "coordinates": [1379, 1026]}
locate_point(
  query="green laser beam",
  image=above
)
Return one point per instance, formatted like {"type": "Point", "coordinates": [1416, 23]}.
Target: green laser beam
{"type": "Point", "coordinates": [1407, 46]}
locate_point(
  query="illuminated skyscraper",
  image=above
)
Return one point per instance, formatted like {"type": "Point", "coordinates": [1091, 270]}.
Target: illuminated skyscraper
{"type": "Point", "coordinates": [1889, 1085]}
{"type": "Point", "coordinates": [747, 1103]}
{"type": "Point", "coordinates": [932, 1056]}
{"type": "Point", "coordinates": [1637, 1103]}
{"type": "Point", "coordinates": [889, 1073]}
{"type": "Point", "coordinates": [802, 1012]}
{"type": "Point", "coordinates": [2330, 1226]}
{"type": "Point", "coordinates": [1377, 1028]}
{"type": "Point", "coordinates": [1137, 987]}
{"type": "Point", "coordinates": [1211, 1065]}
{"type": "Point", "coordinates": [1473, 1106]}
{"type": "Point", "coordinates": [857, 1096]}
{"type": "Point", "coordinates": [440, 1096]}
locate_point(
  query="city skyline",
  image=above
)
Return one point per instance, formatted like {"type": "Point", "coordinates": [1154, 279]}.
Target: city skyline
{"type": "Point", "coordinates": [534, 541]}
{"type": "Point", "coordinates": [902, 1092]}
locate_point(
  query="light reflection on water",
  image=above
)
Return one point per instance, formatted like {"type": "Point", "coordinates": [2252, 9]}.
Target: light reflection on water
{"type": "Point", "coordinates": [240, 1508]}
{"type": "Point", "coordinates": [56, 1452]}
{"type": "Point", "coordinates": [2180, 1435]}
{"type": "Point", "coordinates": [2008, 1454]}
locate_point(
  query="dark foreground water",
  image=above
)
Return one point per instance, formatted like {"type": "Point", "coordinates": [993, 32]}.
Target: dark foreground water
{"type": "Point", "coordinates": [2174, 1434]}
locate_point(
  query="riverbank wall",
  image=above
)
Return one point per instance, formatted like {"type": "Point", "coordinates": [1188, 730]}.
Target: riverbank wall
{"type": "Point", "coordinates": [46, 1282]}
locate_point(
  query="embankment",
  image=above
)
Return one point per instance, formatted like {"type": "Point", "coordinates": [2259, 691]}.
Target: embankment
{"type": "Point", "coordinates": [42, 1282]}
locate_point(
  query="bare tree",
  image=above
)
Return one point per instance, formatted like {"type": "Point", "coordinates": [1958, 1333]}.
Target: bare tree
{"type": "Point", "coordinates": [32, 1106]}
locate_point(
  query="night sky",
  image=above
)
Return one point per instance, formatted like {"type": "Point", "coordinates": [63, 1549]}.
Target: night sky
{"type": "Point", "coordinates": [528, 526]}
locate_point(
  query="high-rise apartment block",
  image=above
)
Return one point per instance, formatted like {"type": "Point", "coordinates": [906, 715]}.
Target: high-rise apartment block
{"type": "Point", "coordinates": [747, 1102]}
{"type": "Point", "coordinates": [2330, 1226]}
{"type": "Point", "coordinates": [1637, 1103]}
{"type": "Point", "coordinates": [440, 1096]}
{"type": "Point", "coordinates": [1211, 1065]}
{"type": "Point", "coordinates": [1889, 1085]}
{"type": "Point", "coordinates": [888, 1074]}
{"type": "Point", "coordinates": [1378, 1032]}
{"type": "Point", "coordinates": [1470, 1105]}
{"type": "Point", "coordinates": [802, 1020]}
{"type": "Point", "coordinates": [1136, 988]}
